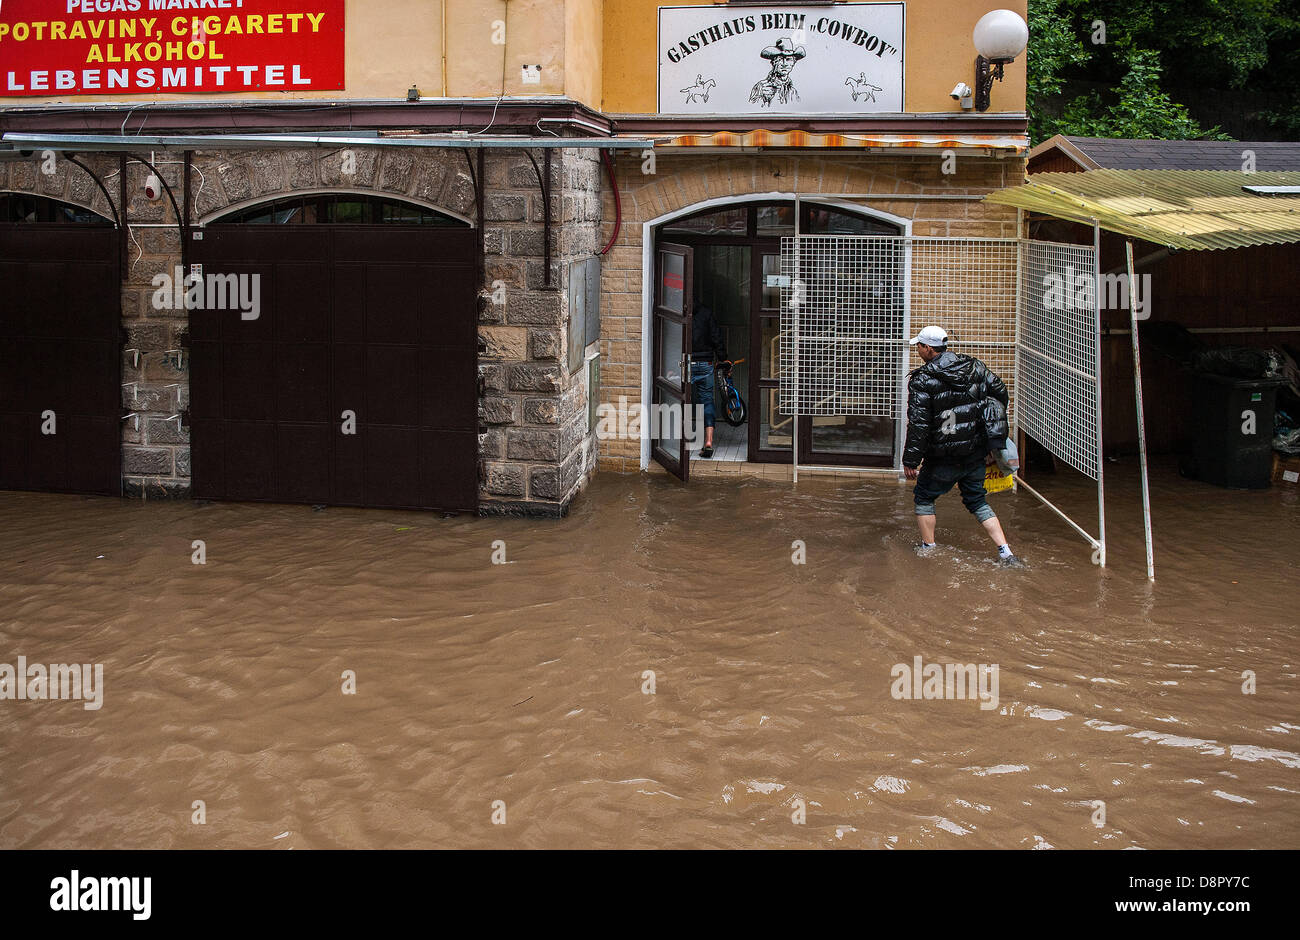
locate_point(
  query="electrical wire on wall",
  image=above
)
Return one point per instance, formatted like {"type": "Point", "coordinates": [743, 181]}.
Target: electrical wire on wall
{"type": "Point", "coordinates": [505, 50]}
{"type": "Point", "coordinates": [130, 230]}
{"type": "Point", "coordinates": [203, 180]}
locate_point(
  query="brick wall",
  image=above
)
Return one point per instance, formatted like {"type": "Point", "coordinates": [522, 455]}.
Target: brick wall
{"type": "Point", "coordinates": [684, 179]}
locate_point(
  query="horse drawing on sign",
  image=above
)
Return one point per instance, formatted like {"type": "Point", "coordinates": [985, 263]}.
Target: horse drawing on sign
{"type": "Point", "coordinates": [699, 90]}
{"type": "Point", "coordinates": [860, 86]}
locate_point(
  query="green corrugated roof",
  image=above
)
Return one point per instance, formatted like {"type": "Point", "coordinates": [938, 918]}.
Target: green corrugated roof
{"type": "Point", "coordinates": [1189, 209]}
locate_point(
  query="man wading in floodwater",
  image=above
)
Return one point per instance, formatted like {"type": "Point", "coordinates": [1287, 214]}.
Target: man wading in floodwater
{"type": "Point", "coordinates": [946, 430]}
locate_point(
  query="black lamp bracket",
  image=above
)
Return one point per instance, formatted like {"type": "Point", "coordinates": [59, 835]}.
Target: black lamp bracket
{"type": "Point", "coordinates": [986, 72]}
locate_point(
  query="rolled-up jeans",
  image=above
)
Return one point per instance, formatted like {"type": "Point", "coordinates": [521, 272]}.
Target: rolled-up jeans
{"type": "Point", "coordinates": [702, 379]}
{"type": "Point", "coordinates": [939, 476]}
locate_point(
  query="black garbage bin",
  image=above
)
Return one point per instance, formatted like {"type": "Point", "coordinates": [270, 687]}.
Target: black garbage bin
{"type": "Point", "coordinates": [1232, 442]}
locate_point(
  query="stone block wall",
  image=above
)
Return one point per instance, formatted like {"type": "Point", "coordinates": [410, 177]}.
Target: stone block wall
{"type": "Point", "coordinates": [535, 447]}
{"type": "Point", "coordinates": [682, 180]}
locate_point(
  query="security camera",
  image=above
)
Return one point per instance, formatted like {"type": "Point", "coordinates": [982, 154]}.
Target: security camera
{"type": "Point", "coordinates": [152, 188]}
{"type": "Point", "coordinates": [962, 90]}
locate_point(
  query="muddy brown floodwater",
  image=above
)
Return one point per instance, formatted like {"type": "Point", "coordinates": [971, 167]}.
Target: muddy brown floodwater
{"type": "Point", "coordinates": [524, 682]}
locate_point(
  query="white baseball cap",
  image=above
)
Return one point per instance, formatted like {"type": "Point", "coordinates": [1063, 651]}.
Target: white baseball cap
{"type": "Point", "coordinates": [931, 336]}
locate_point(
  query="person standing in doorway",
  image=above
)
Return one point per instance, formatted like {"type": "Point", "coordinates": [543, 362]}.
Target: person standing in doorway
{"type": "Point", "coordinates": [707, 349]}
{"type": "Point", "coordinates": [948, 442]}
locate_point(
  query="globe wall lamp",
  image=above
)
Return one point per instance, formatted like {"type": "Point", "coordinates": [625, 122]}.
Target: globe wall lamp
{"type": "Point", "coordinates": [1000, 36]}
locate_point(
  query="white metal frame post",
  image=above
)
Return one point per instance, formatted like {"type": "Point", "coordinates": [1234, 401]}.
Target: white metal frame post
{"type": "Point", "coordinates": [1141, 420]}
{"type": "Point", "coordinates": [1021, 248]}
{"type": "Point", "coordinates": [1101, 450]}
{"type": "Point", "coordinates": [904, 359]}
{"type": "Point", "coordinates": [797, 302]}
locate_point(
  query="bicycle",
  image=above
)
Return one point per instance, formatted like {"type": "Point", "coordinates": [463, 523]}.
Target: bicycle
{"type": "Point", "coordinates": [733, 407]}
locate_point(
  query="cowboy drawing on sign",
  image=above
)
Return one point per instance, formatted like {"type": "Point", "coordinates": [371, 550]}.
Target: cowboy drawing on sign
{"type": "Point", "coordinates": [777, 85]}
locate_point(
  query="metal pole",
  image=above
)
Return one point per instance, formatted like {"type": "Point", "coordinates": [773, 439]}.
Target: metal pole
{"type": "Point", "coordinates": [124, 234]}
{"type": "Point", "coordinates": [1073, 525]}
{"type": "Point", "coordinates": [1014, 430]}
{"type": "Point", "coordinates": [904, 357]}
{"type": "Point", "coordinates": [546, 216]}
{"type": "Point", "coordinates": [1142, 428]}
{"type": "Point", "coordinates": [1101, 453]}
{"type": "Point", "coordinates": [796, 284]}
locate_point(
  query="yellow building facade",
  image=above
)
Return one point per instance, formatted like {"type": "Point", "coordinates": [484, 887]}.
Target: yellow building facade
{"type": "Point", "coordinates": [523, 179]}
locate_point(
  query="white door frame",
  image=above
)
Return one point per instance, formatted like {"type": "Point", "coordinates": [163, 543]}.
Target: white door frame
{"type": "Point", "coordinates": [648, 267]}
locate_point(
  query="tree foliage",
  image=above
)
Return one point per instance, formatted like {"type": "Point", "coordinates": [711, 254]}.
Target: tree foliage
{"type": "Point", "coordinates": [1140, 68]}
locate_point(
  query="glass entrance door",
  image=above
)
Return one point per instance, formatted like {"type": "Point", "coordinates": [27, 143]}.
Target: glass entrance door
{"type": "Point", "coordinates": [671, 391]}
{"type": "Point", "coordinates": [771, 432]}
{"type": "Point", "coordinates": [743, 243]}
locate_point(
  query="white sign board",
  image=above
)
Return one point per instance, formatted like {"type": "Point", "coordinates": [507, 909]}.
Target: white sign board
{"type": "Point", "coordinates": [845, 58]}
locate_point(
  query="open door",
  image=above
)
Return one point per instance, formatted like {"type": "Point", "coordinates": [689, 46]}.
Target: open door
{"type": "Point", "coordinates": [670, 394]}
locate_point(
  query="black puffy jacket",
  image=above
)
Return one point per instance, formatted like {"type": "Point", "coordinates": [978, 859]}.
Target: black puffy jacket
{"type": "Point", "coordinates": [707, 344]}
{"type": "Point", "coordinates": [960, 385]}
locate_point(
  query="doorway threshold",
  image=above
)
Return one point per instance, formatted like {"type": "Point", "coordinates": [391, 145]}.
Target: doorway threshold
{"type": "Point", "coordinates": [784, 471]}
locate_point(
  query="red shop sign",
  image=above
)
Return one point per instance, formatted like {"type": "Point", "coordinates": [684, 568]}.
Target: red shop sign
{"type": "Point", "coordinates": [151, 47]}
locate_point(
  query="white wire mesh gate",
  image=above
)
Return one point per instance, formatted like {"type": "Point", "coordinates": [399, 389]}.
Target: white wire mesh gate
{"type": "Point", "coordinates": [1028, 309]}
{"type": "Point", "coordinates": [1058, 352]}
{"type": "Point", "coordinates": [843, 298]}
{"type": "Point", "coordinates": [1058, 364]}
{"type": "Point", "coordinates": [848, 303]}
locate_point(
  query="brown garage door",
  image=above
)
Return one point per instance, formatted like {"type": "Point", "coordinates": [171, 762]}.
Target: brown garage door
{"type": "Point", "coordinates": [60, 359]}
{"type": "Point", "coordinates": [378, 322]}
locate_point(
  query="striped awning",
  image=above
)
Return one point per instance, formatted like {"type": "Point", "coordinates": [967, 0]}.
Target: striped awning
{"type": "Point", "coordinates": [806, 139]}
{"type": "Point", "coordinates": [1188, 209]}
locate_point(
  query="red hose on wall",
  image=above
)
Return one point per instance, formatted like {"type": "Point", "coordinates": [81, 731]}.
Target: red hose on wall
{"type": "Point", "coordinates": [618, 203]}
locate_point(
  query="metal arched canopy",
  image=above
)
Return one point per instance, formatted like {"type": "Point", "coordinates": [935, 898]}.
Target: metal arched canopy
{"type": "Point", "coordinates": [464, 142]}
